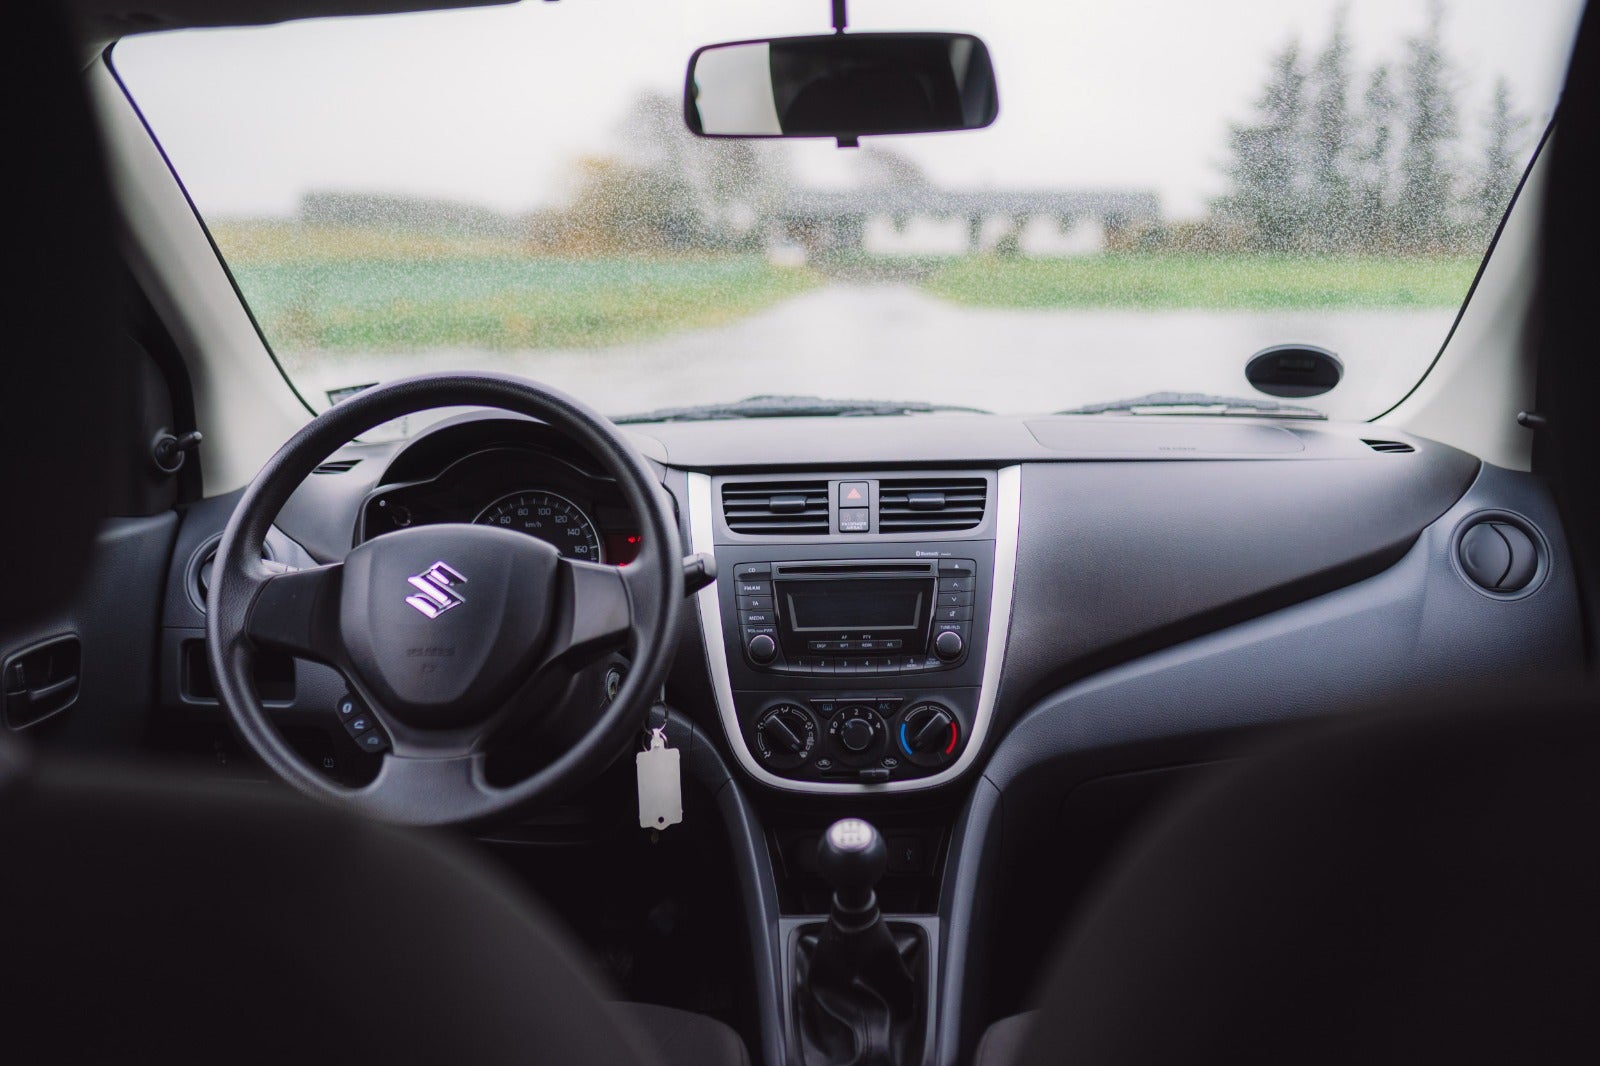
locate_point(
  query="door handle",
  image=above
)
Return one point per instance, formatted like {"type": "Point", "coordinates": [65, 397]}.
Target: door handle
{"type": "Point", "coordinates": [40, 681]}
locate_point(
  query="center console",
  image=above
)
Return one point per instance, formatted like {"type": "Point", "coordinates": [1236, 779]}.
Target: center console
{"type": "Point", "coordinates": [854, 637]}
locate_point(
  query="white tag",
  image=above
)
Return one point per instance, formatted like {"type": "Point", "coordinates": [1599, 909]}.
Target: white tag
{"type": "Point", "coordinates": [660, 786]}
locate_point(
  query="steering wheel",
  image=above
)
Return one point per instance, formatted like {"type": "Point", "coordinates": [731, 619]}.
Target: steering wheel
{"type": "Point", "coordinates": [447, 634]}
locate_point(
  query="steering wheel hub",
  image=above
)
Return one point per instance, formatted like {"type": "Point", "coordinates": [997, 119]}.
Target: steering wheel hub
{"type": "Point", "coordinates": [443, 622]}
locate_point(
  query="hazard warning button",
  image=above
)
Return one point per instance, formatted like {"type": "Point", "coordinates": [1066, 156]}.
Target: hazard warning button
{"type": "Point", "coordinates": [855, 494]}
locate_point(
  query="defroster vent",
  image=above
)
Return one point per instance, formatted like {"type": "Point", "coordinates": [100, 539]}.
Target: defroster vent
{"type": "Point", "coordinates": [931, 505]}
{"type": "Point", "coordinates": [776, 508]}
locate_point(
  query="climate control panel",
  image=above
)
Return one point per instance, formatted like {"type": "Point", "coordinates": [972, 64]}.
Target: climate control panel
{"type": "Point", "coordinates": [863, 738]}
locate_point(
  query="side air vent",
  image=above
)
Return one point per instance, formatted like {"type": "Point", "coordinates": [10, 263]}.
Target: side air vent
{"type": "Point", "coordinates": [1389, 447]}
{"type": "Point", "coordinates": [931, 505]}
{"type": "Point", "coordinates": [773, 508]}
{"type": "Point", "coordinates": [336, 466]}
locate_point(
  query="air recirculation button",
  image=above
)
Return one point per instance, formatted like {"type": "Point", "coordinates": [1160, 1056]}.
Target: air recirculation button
{"type": "Point", "coordinates": [1498, 556]}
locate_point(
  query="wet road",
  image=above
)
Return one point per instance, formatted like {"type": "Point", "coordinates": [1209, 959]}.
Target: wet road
{"type": "Point", "coordinates": [893, 341]}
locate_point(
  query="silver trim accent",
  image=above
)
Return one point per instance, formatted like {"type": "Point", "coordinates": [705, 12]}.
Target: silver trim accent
{"type": "Point", "coordinates": [1008, 512]}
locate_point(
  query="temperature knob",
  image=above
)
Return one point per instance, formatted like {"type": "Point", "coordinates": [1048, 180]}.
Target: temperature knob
{"type": "Point", "coordinates": [929, 734]}
{"type": "Point", "coordinates": [785, 735]}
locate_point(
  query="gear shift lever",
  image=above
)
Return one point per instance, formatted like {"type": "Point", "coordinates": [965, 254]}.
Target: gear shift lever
{"type": "Point", "coordinates": [856, 997]}
{"type": "Point", "coordinates": [852, 857]}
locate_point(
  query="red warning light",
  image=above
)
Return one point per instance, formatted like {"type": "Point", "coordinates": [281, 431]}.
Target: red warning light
{"type": "Point", "coordinates": [622, 548]}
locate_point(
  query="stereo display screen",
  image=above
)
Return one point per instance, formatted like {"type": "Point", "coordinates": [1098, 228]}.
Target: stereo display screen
{"type": "Point", "coordinates": [854, 607]}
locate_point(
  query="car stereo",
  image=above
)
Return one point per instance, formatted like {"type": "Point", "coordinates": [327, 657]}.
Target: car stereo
{"type": "Point", "coordinates": [855, 616]}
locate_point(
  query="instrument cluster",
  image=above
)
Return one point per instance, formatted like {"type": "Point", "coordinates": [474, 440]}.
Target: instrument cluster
{"type": "Point", "coordinates": [525, 489]}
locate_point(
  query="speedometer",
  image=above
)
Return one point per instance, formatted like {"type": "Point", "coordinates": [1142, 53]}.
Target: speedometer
{"type": "Point", "coordinates": [549, 517]}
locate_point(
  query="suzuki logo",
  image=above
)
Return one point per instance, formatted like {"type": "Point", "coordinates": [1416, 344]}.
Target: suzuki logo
{"type": "Point", "coordinates": [436, 589]}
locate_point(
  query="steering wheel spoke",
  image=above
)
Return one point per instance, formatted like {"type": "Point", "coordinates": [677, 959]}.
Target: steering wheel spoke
{"type": "Point", "coordinates": [596, 614]}
{"type": "Point", "coordinates": [393, 794]}
{"type": "Point", "coordinates": [297, 611]}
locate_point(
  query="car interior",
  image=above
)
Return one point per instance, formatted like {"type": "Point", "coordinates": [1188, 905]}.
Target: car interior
{"type": "Point", "coordinates": [796, 734]}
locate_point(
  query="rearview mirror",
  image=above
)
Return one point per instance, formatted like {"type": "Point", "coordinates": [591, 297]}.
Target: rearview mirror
{"type": "Point", "coordinates": [841, 85]}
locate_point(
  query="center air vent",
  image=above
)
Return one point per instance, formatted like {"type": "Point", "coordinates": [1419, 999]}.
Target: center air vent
{"type": "Point", "coordinates": [772, 508]}
{"type": "Point", "coordinates": [930, 505]}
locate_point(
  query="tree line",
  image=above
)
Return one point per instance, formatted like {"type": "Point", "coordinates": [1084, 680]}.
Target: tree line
{"type": "Point", "coordinates": [1330, 166]}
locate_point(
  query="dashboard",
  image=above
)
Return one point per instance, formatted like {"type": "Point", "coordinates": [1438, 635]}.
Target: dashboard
{"type": "Point", "coordinates": [1058, 558]}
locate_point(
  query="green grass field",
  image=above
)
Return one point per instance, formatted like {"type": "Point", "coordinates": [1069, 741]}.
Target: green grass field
{"type": "Point", "coordinates": [360, 289]}
{"type": "Point", "coordinates": [364, 290]}
{"type": "Point", "coordinates": [1217, 282]}
{"type": "Point", "coordinates": [503, 303]}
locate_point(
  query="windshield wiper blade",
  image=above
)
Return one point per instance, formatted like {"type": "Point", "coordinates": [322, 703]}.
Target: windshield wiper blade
{"type": "Point", "coordinates": [791, 407]}
{"type": "Point", "coordinates": [1197, 403]}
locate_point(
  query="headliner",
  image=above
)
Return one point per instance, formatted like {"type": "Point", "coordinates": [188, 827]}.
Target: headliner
{"type": "Point", "coordinates": [106, 20]}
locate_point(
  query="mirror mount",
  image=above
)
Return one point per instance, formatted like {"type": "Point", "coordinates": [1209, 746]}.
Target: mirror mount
{"type": "Point", "coordinates": [840, 19]}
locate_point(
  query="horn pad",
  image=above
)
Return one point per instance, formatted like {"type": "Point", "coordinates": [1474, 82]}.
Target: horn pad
{"type": "Point", "coordinates": [443, 622]}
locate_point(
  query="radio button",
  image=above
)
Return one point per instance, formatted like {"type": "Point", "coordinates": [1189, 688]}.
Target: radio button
{"type": "Point", "coordinates": [957, 566]}
{"type": "Point", "coordinates": [953, 614]}
{"type": "Point", "coordinates": [955, 584]}
{"type": "Point", "coordinates": [757, 618]}
{"type": "Point", "coordinates": [750, 569]}
{"type": "Point", "coordinates": [755, 603]}
{"type": "Point", "coordinates": [950, 627]}
{"type": "Point", "coordinates": [955, 599]}
{"type": "Point", "coordinates": [762, 649]}
{"type": "Point", "coordinates": [753, 587]}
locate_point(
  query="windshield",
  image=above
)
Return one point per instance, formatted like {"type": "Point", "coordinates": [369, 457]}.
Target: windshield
{"type": "Point", "coordinates": [1168, 190]}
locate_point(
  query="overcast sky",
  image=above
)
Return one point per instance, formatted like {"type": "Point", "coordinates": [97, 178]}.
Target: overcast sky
{"type": "Point", "coordinates": [494, 105]}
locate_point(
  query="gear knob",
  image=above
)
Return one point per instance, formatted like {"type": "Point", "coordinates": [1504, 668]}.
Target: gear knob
{"type": "Point", "coordinates": [852, 858]}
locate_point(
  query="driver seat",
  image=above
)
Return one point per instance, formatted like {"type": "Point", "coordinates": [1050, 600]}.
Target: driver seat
{"type": "Point", "coordinates": [160, 917]}
{"type": "Point", "coordinates": [155, 916]}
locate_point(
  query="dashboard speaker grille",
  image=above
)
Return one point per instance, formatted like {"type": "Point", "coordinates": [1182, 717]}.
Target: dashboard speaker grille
{"type": "Point", "coordinates": [774, 508]}
{"type": "Point", "coordinates": [931, 505]}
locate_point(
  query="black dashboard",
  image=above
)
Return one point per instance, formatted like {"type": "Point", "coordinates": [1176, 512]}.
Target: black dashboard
{"type": "Point", "coordinates": [1090, 543]}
